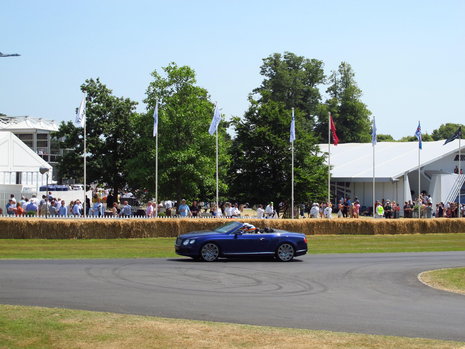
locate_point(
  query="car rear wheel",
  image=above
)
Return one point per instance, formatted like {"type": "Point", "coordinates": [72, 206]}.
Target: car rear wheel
{"type": "Point", "coordinates": [210, 252]}
{"type": "Point", "coordinates": [285, 252]}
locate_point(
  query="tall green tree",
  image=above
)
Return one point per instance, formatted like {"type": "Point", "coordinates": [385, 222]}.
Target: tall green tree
{"type": "Point", "coordinates": [261, 151]}
{"type": "Point", "coordinates": [261, 169]}
{"type": "Point", "coordinates": [293, 80]}
{"type": "Point", "coordinates": [186, 149]}
{"type": "Point", "coordinates": [350, 114]}
{"type": "Point", "coordinates": [110, 135]}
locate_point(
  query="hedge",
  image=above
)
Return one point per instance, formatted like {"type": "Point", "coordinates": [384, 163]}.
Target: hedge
{"type": "Point", "coordinates": [37, 228]}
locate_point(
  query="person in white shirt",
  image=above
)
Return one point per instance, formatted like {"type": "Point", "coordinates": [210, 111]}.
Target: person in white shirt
{"type": "Point", "coordinates": [168, 206]}
{"type": "Point", "coordinates": [315, 210]}
{"type": "Point", "coordinates": [328, 211]}
{"type": "Point", "coordinates": [260, 211]}
{"type": "Point", "coordinates": [269, 210]}
{"type": "Point", "coordinates": [149, 210]}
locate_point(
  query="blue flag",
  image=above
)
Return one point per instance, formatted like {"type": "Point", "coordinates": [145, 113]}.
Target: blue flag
{"type": "Point", "coordinates": [418, 135]}
{"type": "Point", "coordinates": [292, 136]}
{"type": "Point", "coordinates": [373, 133]}
{"type": "Point", "coordinates": [155, 120]}
{"type": "Point", "coordinates": [215, 121]}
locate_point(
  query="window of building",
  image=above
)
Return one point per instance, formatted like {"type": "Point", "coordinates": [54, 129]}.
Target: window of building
{"type": "Point", "coordinates": [19, 177]}
{"type": "Point", "coordinates": [26, 138]}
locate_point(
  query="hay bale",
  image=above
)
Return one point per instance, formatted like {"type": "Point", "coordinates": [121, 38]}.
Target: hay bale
{"type": "Point", "coordinates": [38, 228]}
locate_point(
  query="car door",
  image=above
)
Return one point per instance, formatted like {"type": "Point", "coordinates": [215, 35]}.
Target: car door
{"type": "Point", "coordinates": [248, 244]}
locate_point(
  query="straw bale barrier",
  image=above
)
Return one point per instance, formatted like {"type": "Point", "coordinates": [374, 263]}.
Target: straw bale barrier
{"type": "Point", "coordinates": [37, 228]}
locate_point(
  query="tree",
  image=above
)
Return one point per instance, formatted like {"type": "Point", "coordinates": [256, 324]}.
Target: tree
{"type": "Point", "coordinates": [350, 114]}
{"type": "Point", "coordinates": [109, 136]}
{"type": "Point", "coordinates": [293, 80]}
{"type": "Point", "coordinates": [261, 151]}
{"type": "Point", "coordinates": [261, 169]}
{"type": "Point", "coordinates": [70, 164]}
{"type": "Point", "coordinates": [385, 138]}
{"type": "Point", "coordinates": [186, 149]}
{"type": "Point", "coordinates": [424, 137]}
{"type": "Point", "coordinates": [445, 131]}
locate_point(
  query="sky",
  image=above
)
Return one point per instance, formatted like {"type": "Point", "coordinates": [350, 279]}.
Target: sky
{"type": "Point", "coordinates": [408, 56]}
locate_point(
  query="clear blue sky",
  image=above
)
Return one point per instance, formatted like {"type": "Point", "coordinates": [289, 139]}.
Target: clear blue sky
{"type": "Point", "coordinates": [408, 56]}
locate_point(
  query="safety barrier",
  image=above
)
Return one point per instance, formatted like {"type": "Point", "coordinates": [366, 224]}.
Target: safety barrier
{"type": "Point", "coordinates": [105, 228]}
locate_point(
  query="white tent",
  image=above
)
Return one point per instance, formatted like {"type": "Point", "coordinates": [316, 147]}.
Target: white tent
{"type": "Point", "coordinates": [19, 167]}
{"type": "Point", "coordinates": [396, 170]}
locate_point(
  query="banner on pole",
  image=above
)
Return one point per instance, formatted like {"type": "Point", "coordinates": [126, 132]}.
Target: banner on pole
{"type": "Point", "coordinates": [155, 120]}
{"type": "Point", "coordinates": [333, 130]}
{"type": "Point", "coordinates": [373, 133]}
{"type": "Point", "coordinates": [81, 113]}
{"type": "Point", "coordinates": [457, 134]}
{"type": "Point", "coordinates": [215, 121]}
{"type": "Point", "coordinates": [418, 135]}
{"type": "Point", "coordinates": [292, 135]}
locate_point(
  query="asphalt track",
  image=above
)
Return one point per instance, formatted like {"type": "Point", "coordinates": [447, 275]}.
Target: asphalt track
{"type": "Point", "coordinates": [366, 293]}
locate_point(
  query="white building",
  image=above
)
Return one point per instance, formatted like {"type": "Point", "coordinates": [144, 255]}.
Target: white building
{"type": "Point", "coordinates": [396, 171]}
{"type": "Point", "coordinates": [34, 132]}
{"type": "Point", "coordinates": [19, 168]}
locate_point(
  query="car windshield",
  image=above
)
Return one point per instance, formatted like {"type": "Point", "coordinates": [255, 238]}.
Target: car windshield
{"type": "Point", "coordinates": [229, 227]}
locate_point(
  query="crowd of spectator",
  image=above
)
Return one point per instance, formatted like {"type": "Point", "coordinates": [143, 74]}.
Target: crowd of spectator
{"type": "Point", "coordinates": [117, 206]}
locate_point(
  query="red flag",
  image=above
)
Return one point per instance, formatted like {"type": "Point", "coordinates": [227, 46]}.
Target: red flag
{"type": "Point", "coordinates": [333, 131]}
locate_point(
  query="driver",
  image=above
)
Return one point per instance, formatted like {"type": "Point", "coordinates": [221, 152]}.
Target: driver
{"type": "Point", "coordinates": [249, 229]}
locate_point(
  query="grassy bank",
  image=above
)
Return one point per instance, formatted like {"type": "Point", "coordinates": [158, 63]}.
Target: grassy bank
{"type": "Point", "coordinates": [33, 327]}
{"type": "Point", "coordinates": [163, 247]}
{"type": "Point", "coordinates": [452, 280]}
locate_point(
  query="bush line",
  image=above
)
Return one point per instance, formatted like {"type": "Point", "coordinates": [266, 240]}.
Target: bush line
{"type": "Point", "coordinates": [36, 228]}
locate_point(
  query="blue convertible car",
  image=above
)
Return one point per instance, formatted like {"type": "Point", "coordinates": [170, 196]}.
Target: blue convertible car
{"type": "Point", "coordinates": [238, 239]}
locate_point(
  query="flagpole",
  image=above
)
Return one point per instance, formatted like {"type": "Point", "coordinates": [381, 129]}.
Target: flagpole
{"type": "Point", "coordinates": [156, 175]}
{"type": "Point", "coordinates": [419, 202]}
{"type": "Point", "coordinates": [85, 168]}
{"type": "Point", "coordinates": [217, 187]}
{"type": "Point", "coordinates": [292, 172]}
{"type": "Point", "coordinates": [373, 140]}
{"type": "Point", "coordinates": [329, 156]}
{"type": "Point", "coordinates": [460, 189]}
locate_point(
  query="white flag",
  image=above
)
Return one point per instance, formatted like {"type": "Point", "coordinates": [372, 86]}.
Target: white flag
{"type": "Point", "coordinates": [292, 136]}
{"type": "Point", "coordinates": [81, 113]}
{"type": "Point", "coordinates": [215, 121]}
{"type": "Point", "coordinates": [155, 120]}
{"type": "Point", "coordinates": [373, 133]}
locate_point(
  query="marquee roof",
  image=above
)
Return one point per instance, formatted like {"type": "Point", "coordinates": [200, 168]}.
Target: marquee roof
{"type": "Point", "coordinates": [17, 156]}
{"type": "Point", "coordinates": [354, 161]}
{"type": "Point", "coordinates": [26, 123]}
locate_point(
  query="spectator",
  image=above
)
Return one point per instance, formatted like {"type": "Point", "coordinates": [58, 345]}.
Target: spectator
{"type": "Point", "coordinates": [31, 208]}
{"type": "Point", "coordinates": [195, 209]}
{"type": "Point", "coordinates": [126, 211]}
{"type": "Point", "coordinates": [63, 210]}
{"type": "Point", "coordinates": [269, 210]}
{"type": "Point", "coordinates": [328, 211]}
{"type": "Point", "coordinates": [168, 207]}
{"type": "Point", "coordinates": [315, 210]}
{"type": "Point", "coordinates": [429, 210]}
{"type": "Point", "coordinates": [184, 210]}
{"type": "Point", "coordinates": [19, 210]}
{"type": "Point", "coordinates": [260, 211]}
{"type": "Point", "coordinates": [149, 210]}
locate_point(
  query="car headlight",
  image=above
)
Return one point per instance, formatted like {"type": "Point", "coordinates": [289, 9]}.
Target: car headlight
{"type": "Point", "coordinates": [188, 242]}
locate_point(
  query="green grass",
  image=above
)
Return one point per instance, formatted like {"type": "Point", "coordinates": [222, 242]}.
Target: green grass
{"type": "Point", "coordinates": [34, 327]}
{"type": "Point", "coordinates": [452, 279]}
{"type": "Point", "coordinates": [163, 247]}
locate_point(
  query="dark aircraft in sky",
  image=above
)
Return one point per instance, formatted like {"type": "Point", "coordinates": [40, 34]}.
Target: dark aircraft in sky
{"type": "Point", "coordinates": [9, 55]}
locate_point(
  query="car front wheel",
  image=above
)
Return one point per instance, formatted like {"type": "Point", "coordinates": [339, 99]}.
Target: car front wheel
{"type": "Point", "coordinates": [285, 252]}
{"type": "Point", "coordinates": [210, 252]}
